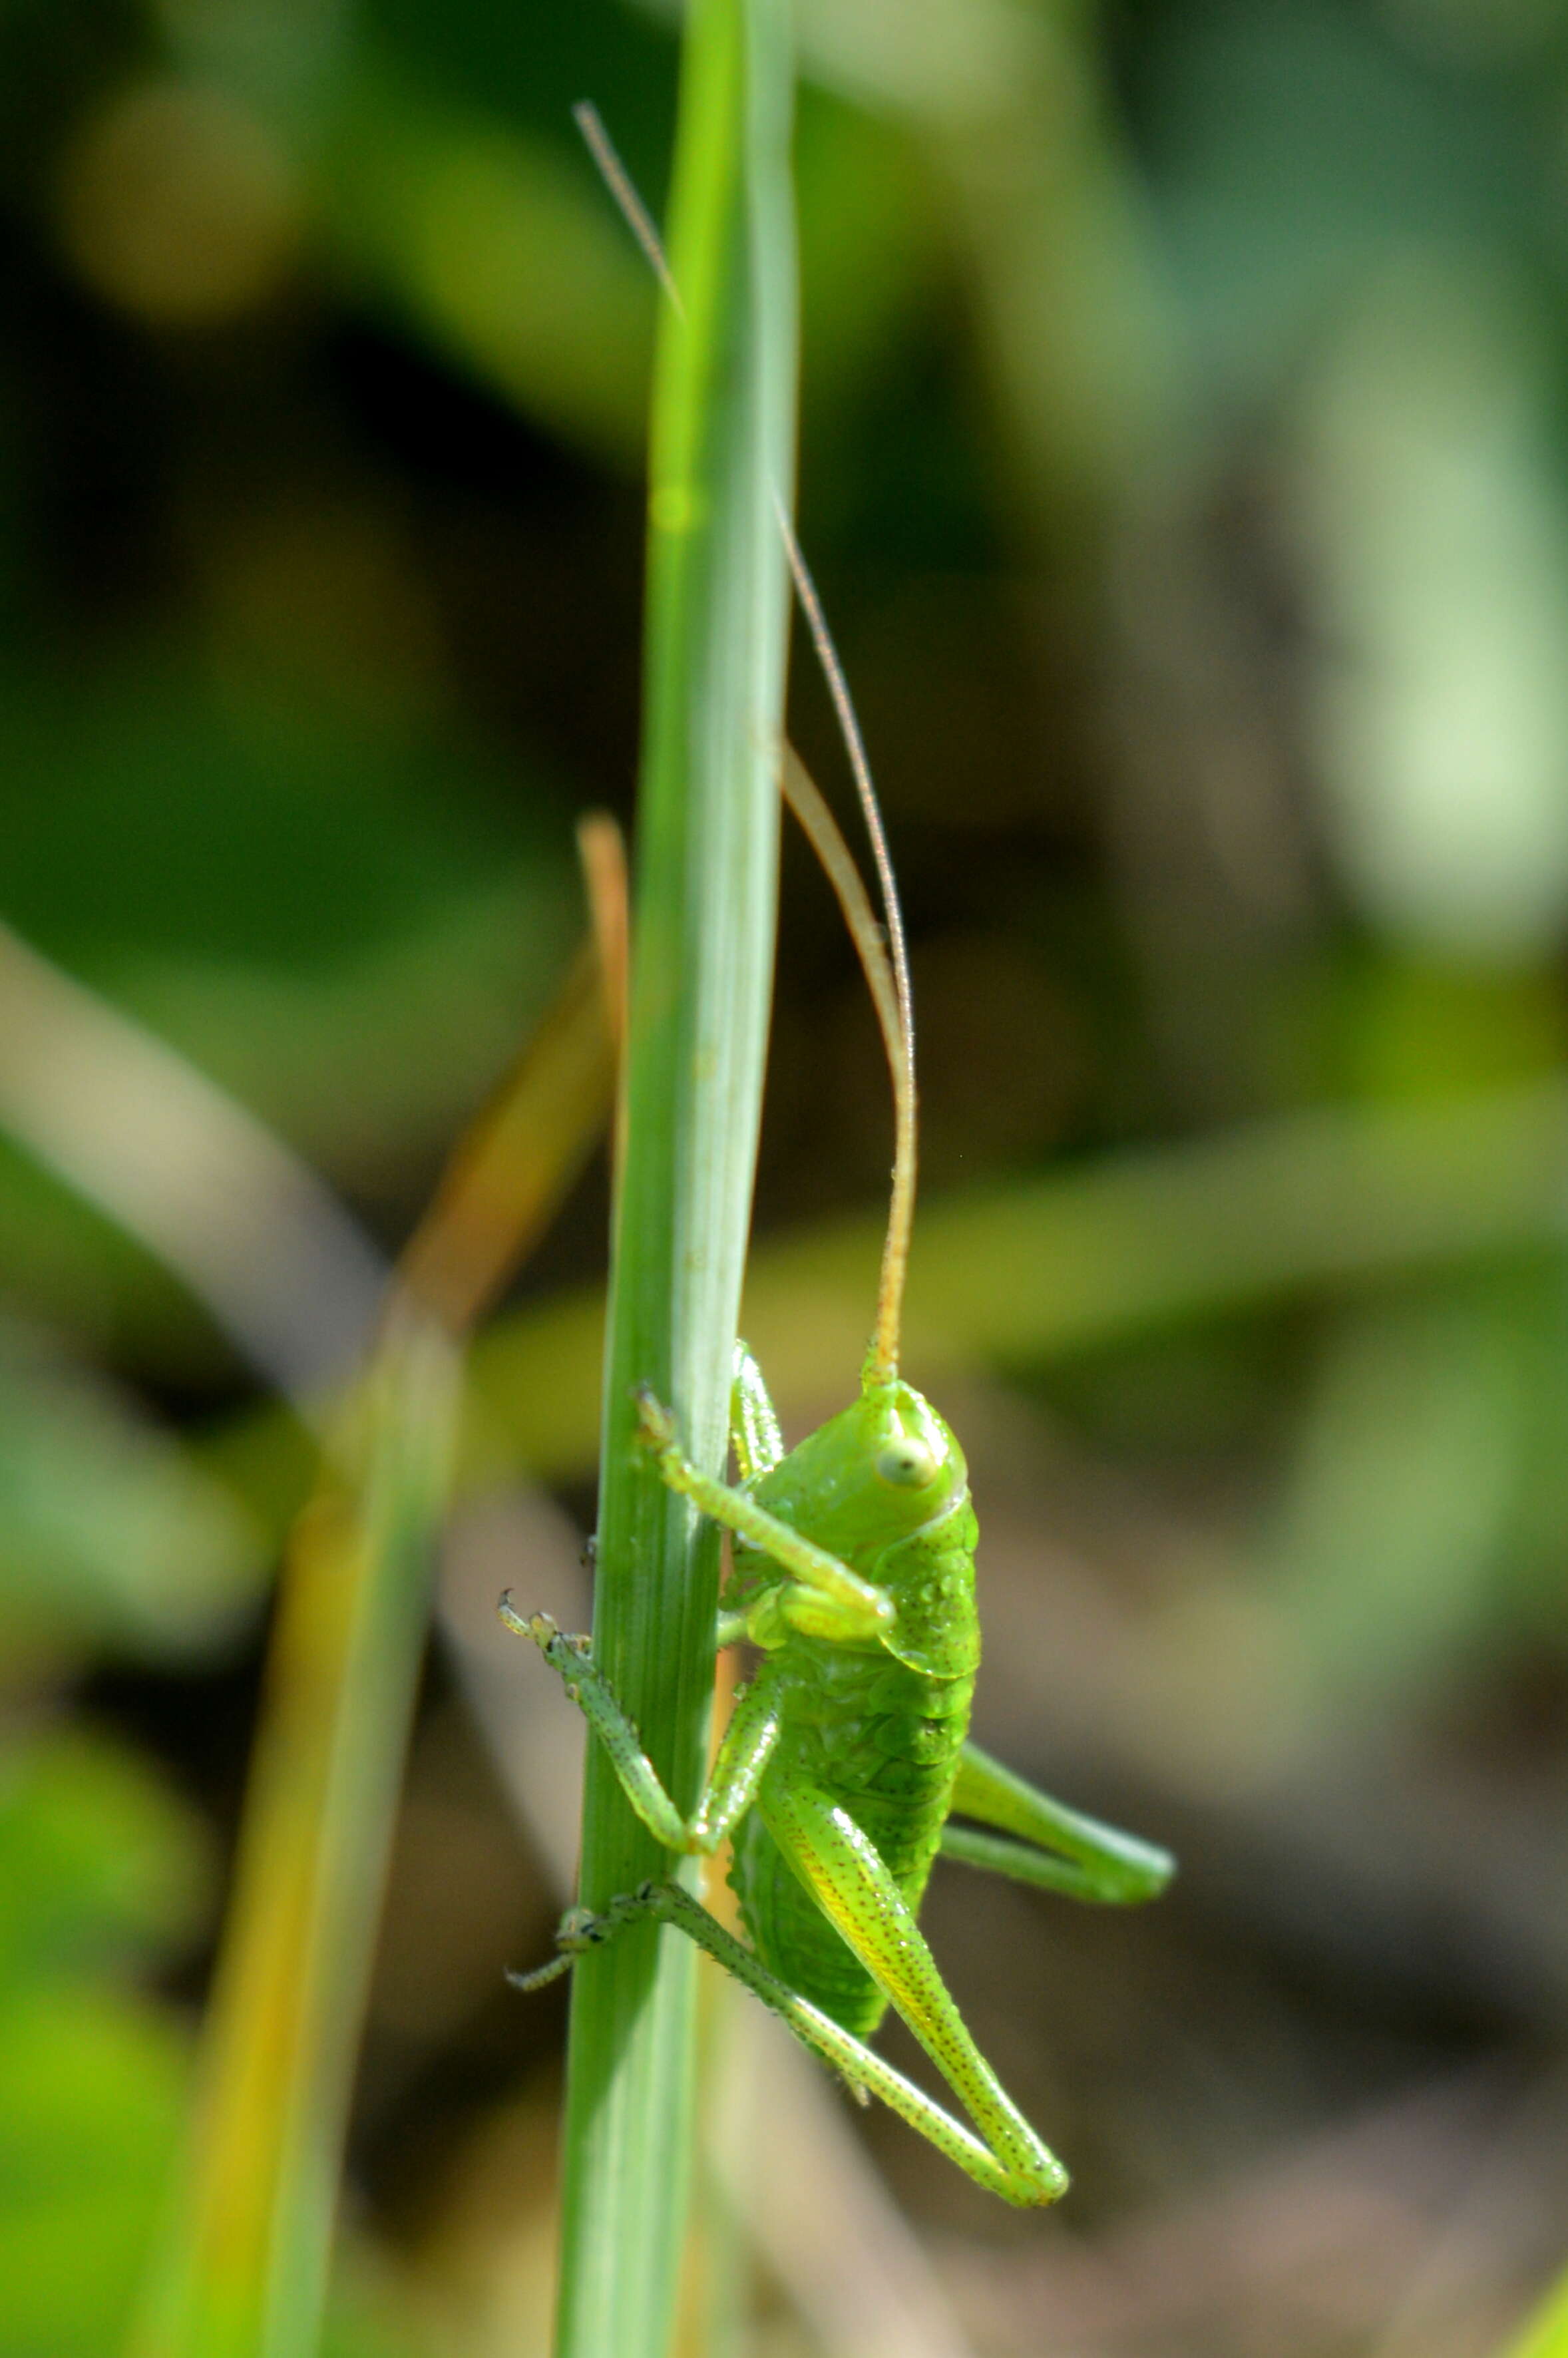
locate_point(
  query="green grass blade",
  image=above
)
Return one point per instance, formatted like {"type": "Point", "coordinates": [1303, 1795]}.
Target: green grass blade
{"type": "Point", "coordinates": [707, 825]}
{"type": "Point", "coordinates": [1546, 2336]}
{"type": "Point", "coordinates": [244, 2269]}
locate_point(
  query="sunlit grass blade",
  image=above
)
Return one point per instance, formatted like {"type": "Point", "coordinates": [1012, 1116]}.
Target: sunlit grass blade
{"type": "Point", "coordinates": [502, 1186]}
{"type": "Point", "coordinates": [245, 2267]}
{"type": "Point", "coordinates": [1546, 2336]}
{"type": "Point", "coordinates": [243, 2271]}
{"type": "Point", "coordinates": [708, 828]}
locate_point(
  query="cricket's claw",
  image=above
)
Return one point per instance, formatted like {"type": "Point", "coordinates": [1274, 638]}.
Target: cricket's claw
{"type": "Point", "coordinates": [537, 1626]}
{"type": "Point", "coordinates": [545, 1632]}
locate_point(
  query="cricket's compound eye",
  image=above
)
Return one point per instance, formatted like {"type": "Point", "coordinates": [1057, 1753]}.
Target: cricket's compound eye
{"type": "Point", "coordinates": [907, 1463]}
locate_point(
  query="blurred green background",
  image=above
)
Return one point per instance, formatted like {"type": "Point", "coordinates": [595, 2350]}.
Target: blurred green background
{"type": "Point", "coordinates": [1184, 462]}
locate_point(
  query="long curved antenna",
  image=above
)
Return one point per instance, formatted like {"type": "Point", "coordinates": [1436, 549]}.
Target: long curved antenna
{"type": "Point", "coordinates": [891, 994]}
{"type": "Point", "coordinates": [623, 188]}
{"type": "Point", "coordinates": [822, 832]}
{"type": "Point", "coordinates": [882, 1368]}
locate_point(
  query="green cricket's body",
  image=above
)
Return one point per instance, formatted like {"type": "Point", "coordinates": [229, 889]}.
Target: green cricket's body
{"type": "Point", "coordinates": [846, 1758]}
{"type": "Point", "coordinates": [877, 1726]}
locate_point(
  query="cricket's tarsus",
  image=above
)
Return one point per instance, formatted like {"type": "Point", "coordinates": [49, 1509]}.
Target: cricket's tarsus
{"type": "Point", "coordinates": [846, 1756]}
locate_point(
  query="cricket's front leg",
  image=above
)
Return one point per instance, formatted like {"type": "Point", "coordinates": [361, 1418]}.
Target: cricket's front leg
{"type": "Point", "coordinates": [824, 1597]}
{"type": "Point", "coordinates": [743, 1754]}
{"type": "Point", "coordinates": [1056, 1849]}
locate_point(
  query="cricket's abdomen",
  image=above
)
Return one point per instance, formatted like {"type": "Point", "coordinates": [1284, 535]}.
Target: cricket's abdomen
{"type": "Point", "coordinates": [880, 1739]}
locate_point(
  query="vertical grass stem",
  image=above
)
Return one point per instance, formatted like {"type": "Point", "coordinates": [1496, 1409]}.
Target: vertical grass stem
{"type": "Point", "coordinates": [703, 938]}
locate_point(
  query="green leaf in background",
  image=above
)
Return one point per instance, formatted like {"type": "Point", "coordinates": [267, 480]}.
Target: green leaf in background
{"type": "Point", "coordinates": [92, 2087]}
{"type": "Point", "coordinates": [499, 249]}
{"type": "Point", "coordinates": [310, 895]}
{"type": "Point", "coordinates": [314, 896]}
{"type": "Point", "coordinates": [1399, 1507]}
{"type": "Point", "coordinates": [98, 1861]}
{"type": "Point", "coordinates": [1546, 2336]}
{"type": "Point", "coordinates": [112, 1537]}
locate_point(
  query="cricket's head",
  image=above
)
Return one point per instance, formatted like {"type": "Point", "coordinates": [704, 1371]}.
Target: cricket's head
{"type": "Point", "coordinates": [883, 1466]}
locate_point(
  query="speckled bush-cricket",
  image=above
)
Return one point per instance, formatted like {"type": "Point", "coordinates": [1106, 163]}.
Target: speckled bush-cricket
{"type": "Point", "coordinates": [847, 1758]}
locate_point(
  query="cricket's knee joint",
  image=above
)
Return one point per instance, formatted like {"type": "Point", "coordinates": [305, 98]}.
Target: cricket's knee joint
{"type": "Point", "coordinates": [765, 1623]}
{"type": "Point", "coordinates": [841, 1620]}
{"type": "Point", "coordinates": [555, 1644]}
{"type": "Point", "coordinates": [579, 1931]}
{"type": "Point", "coordinates": [663, 1900]}
{"type": "Point", "coordinates": [564, 1650]}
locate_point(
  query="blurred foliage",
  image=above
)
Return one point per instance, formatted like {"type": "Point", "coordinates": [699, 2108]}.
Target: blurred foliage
{"type": "Point", "coordinates": [113, 1536]}
{"type": "Point", "coordinates": [1184, 456]}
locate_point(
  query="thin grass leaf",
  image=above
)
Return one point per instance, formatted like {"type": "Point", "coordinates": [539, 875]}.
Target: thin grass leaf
{"type": "Point", "coordinates": [505, 1181]}
{"type": "Point", "coordinates": [707, 832]}
{"type": "Point", "coordinates": [1546, 2336]}
{"type": "Point", "coordinates": [242, 2270]}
